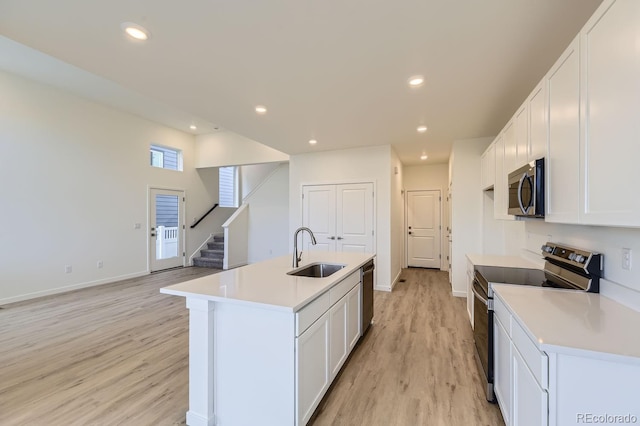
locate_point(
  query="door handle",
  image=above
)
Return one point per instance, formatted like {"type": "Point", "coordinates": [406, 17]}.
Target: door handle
{"type": "Point", "coordinates": [153, 234]}
{"type": "Point", "coordinates": [409, 232]}
{"type": "Point", "coordinates": [331, 238]}
{"type": "Point", "coordinates": [339, 238]}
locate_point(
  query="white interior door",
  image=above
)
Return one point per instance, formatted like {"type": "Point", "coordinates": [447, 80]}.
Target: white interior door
{"type": "Point", "coordinates": [423, 229]}
{"type": "Point", "coordinates": [354, 224]}
{"type": "Point", "coordinates": [319, 215]}
{"type": "Point", "coordinates": [340, 216]}
{"type": "Point", "coordinates": [166, 217]}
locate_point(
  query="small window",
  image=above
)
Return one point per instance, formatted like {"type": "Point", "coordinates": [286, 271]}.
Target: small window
{"type": "Point", "coordinates": [166, 158]}
{"type": "Point", "coordinates": [228, 185]}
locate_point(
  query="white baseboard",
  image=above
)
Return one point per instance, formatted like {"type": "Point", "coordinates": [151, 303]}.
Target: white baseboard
{"type": "Point", "coordinates": [64, 289]}
{"type": "Point", "coordinates": [459, 293]}
{"type": "Point", "coordinates": [395, 281]}
{"type": "Point", "coordinates": [380, 288]}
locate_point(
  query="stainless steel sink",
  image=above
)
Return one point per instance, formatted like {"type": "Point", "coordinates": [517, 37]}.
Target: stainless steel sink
{"type": "Point", "coordinates": [317, 270]}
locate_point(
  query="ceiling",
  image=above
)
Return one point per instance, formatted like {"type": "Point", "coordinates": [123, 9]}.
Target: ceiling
{"type": "Point", "coordinates": [334, 71]}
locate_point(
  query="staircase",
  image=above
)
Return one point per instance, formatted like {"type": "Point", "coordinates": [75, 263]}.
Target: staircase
{"type": "Point", "coordinates": [213, 255]}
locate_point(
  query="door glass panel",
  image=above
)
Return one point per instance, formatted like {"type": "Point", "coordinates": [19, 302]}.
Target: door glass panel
{"type": "Point", "coordinates": [166, 226]}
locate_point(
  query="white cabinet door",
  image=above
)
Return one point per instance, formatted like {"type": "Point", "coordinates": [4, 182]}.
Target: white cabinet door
{"type": "Point", "coordinates": [312, 362]}
{"type": "Point", "coordinates": [338, 332]}
{"type": "Point", "coordinates": [319, 215]}
{"type": "Point", "coordinates": [509, 137]}
{"type": "Point", "coordinates": [340, 216]}
{"type": "Point", "coordinates": [502, 368]}
{"type": "Point", "coordinates": [611, 102]}
{"type": "Point", "coordinates": [530, 401]}
{"type": "Point", "coordinates": [354, 218]}
{"type": "Point", "coordinates": [500, 193]}
{"type": "Point", "coordinates": [562, 184]}
{"type": "Point", "coordinates": [488, 167]}
{"type": "Point", "coordinates": [353, 316]}
{"type": "Point", "coordinates": [538, 122]}
{"type": "Point", "coordinates": [521, 133]}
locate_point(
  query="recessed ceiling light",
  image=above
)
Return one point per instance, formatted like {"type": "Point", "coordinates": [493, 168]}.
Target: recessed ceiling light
{"type": "Point", "coordinates": [416, 81]}
{"type": "Point", "coordinates": [423, 157]}
{"type": "Point", "coordinates": [313, 142]}
{"type": "Point", "coordinates": [421, 129]}
{"type": "Point", "coordinates": [193, 127]}
{"type": "Point", "coordinates": [261, 109]}
{"type": "Point", "coordinates": [135, 31]}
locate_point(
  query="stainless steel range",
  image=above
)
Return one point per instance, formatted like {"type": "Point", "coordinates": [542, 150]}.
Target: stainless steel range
{"type": "Point", "coordinates": [565, 267]}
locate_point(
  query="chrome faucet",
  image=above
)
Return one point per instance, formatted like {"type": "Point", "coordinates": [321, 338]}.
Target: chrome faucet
{"type": "Point", "coordinates": [297, 257]}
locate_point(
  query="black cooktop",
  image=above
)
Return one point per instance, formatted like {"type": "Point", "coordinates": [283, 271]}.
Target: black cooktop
{"type": "Point", "coordinates": [523, 276]}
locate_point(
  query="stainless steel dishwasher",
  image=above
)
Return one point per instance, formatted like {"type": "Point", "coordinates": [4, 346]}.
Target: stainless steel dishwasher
{"type": "Point", "coordinates": [367, 295]}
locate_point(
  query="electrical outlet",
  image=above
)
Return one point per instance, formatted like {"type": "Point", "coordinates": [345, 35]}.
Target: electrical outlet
{"type": "Point", "coordinates": [68, 269]}
{"type": "Point", "coordinates": [100, 264]}
{"type": "Point", "coordinates": [626, 259]}
{"type": "Point", "coordinates": [136, 226]}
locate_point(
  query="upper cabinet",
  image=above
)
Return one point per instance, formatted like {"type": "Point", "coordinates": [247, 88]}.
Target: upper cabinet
{"type": "Point", "coordinates": [563, 160]}
{"type": "Point", "coordinates": [537, 122]}
{"type": "Point", "coordinates": [509, 137]}
{"type": "Point", "coordinates": [488, 167]}
{"type": "Point", "coordinates": [593, 127]}
{"type": "Point", "coordinates": [610, 142]}
{"type": "Point", "coordinates": [583, 119]}
{"type": "Point", "coordinates": [521, 135]}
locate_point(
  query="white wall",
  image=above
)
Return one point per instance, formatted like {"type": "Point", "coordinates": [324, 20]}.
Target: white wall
{"type": "Point", "coordinates": [397, 218]}
{"type": "Point", "coordinates": [349, 165]}
{"type": "Point", "coordinates": [226, 148]}
{"type": "Point", "coordinates": [253, 175]}
{"type": "Point", "coordinates": [269, 234]}
{"type": "Point", "coordinates": [431, 177]}
{"type": "Point", "coordinates": [75, 180]}
{"type": "Point", "coordinates": [467, 207]}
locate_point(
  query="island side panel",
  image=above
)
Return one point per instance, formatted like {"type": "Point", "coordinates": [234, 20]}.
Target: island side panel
{"type": "Point", "coordinates": [201, 356]}
{"type": "Point", "coordinates": [254, 366]}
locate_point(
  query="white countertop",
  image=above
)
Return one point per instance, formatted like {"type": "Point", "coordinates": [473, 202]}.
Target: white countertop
{"type": "Point", "coordinates": [266, 284]}
{"type": "Point", "coordinates": [574, 322]}
{"type": "Point", "coordinates": [502, 261]}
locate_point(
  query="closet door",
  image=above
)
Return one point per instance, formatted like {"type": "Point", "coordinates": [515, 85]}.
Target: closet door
{"type": "Point", "coordinates": [340, 216]}
{"type": "Point", "coordinates": [319, 215]}
{"type": "Point", "coordinates": [354, 217]}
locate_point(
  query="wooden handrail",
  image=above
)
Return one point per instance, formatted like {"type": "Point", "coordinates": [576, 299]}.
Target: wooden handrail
{"type": "Point", "coordinates": [204, 215]}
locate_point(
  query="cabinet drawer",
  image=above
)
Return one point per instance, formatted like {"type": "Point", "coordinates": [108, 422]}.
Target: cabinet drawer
{"type": "Point", "coordinates": [338, 291]}
{"type": "Point", "coordinates": [537, 361]}
{"type": "Point", "coordinates": [310, 313]}
{"type": "Point", "coordinates": [502, 313]}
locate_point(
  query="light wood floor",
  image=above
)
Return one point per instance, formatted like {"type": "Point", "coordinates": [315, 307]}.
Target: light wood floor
{"type": "Point", "coordinates": [117, 355]}
{"type": "Point", "coordinates": [416, 364]}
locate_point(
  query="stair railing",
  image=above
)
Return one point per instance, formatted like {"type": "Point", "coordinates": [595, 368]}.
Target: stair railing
{"type": "Point", "coordinates": [203, 216]}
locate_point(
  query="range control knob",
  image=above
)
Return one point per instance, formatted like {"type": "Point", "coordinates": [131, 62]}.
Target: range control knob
{"type": "Point", "coordinates": [580, 258]}
{"type": "Point", "coordinates": [572, 256]}
{"type": "Point", "coordinates": [545, 248]}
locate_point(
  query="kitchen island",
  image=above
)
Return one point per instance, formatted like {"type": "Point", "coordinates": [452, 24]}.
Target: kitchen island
{"type": "Point", "coordinates": [264, 346]}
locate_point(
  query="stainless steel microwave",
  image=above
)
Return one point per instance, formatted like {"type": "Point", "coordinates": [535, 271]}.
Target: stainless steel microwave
{"type": "Point", "coordinates": [526, 190]}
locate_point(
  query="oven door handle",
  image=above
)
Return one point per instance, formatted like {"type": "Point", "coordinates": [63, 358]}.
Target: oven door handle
{"type": "Point", "coordinates": [479, 296]}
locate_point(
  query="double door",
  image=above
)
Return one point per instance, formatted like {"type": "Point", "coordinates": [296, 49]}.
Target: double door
{"type": "Point", "coordinates": [340, 216]}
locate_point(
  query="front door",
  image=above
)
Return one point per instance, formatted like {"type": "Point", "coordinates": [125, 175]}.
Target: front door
{"type": "Point", "coordinates": [166, 212]}
{"type": "Point", "coordinates": [423, 229]}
